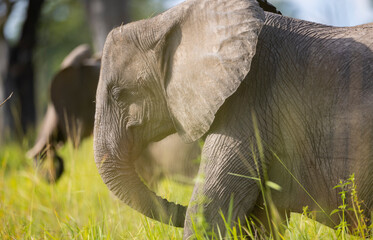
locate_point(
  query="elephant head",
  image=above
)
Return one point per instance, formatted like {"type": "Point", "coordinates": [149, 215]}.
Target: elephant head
{"type": "Point", "coordinates": [151, 85]}
{"type": "Point", "coordinates": [70, 115]}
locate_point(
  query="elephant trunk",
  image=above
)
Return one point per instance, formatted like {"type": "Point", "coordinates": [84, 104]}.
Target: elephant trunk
{"type": "Point", "coordinates": [45, 136]}
{"type": "Point", "coordinates": [114, 160]}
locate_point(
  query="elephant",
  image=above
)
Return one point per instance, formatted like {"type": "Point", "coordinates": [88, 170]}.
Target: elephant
{"type": "Point", "coordinates": [274, 98]}
{"type": "Point", "coordinates": [169, 158]}
{"type": "Point", "coordinates": [70, 112]}
{"type": "Point", "coordinates": [70, 115]}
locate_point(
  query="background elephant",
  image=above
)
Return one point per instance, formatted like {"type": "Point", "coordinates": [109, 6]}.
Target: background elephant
{"type": "Point", "coordinates": [260, 88]}
{"type": "Point", "coordinates": [70, 115]}
{"type": "Point", "coordinates": [70, 112]}
{"type": "Point", "coordinates": [171, 158]}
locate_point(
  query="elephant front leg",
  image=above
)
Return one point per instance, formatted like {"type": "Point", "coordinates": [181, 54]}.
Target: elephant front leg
{"type": "Point", "coordinates": [221, 188]}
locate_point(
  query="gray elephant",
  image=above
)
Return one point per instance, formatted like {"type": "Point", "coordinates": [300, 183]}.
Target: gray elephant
{"type": "Point", "coordinates": [70, 115]}
{"type": "Point", "coordinates": [70, 112]}
{"type": "Point", "coordinates": [275, 98]}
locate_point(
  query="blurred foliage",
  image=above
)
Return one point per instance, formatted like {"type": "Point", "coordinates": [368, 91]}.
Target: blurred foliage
{"type": "Point", "coordinates": [284, 6]}
{"type": "Point", "coordinates": [141, 9]}
{"type": "Point", "coordinates": [64, 26]}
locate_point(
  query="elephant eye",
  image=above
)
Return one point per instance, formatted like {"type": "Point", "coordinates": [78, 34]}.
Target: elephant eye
{"type": "Point", "coordinates": [121, 95]}
{"type": "Point", "coordinates": [115, 93]}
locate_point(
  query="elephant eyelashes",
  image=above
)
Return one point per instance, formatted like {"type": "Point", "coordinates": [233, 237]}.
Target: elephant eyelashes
{"type": "Point", "coordinates": [141, 77]}
{"type": "Point", "coordinates": [115, 93]}
{"type": "Point", "coordinates": [120, 95]}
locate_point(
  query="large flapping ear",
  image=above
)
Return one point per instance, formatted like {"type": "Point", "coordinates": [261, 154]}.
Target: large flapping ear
{"type": "Point", "coordinates": [205, 55]}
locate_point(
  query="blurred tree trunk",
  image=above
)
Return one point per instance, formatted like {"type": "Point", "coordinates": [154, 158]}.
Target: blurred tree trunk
{"type": "Point", "coordinates": [103, 16]}
{"type": "Point", "coordinates": [4, 50]}
{"type": "Point", "coordinates": [20, 111]}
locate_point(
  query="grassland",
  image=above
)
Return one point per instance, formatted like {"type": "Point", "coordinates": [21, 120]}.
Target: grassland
{"type": "Point", "coordinates": [79, 206]}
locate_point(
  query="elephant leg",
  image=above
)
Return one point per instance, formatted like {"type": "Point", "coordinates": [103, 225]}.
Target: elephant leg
{"type": "Point", "coordinates": [225, 160]}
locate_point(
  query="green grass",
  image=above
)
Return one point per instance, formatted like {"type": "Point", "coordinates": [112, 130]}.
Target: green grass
{"type": "Point", "coordinates": [80, 206]}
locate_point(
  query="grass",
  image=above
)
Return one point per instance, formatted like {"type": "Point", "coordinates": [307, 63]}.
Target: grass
{"type": "Point", "coordinates": [80, 206]}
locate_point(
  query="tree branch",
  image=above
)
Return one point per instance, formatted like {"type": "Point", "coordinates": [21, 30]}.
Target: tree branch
{"type": "Point", "coordinates": [1, 104]}
{"type": "Point", "coordinates": [9, 7]}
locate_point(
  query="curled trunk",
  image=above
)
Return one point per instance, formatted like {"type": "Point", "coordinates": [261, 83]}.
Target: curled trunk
{"type": "Point", "coordinates": [115, 162]}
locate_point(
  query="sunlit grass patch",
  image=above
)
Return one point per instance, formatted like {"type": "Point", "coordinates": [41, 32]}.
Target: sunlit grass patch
{"type": "Point", "coordinates": [301, 226]}
{"type": "Point", "coordinates": [79, 205]}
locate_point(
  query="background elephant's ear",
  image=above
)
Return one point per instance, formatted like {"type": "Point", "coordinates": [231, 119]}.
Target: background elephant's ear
{"type": "Point", "coordinates": [77, 56]}
{"type": "Point", "coordinates": [206, 55]}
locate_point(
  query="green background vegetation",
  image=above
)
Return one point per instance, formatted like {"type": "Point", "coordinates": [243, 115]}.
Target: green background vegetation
{"type": "Point", "coordinates": [80, 206]}
{"type": "Point", "coordinates": [62, 27]}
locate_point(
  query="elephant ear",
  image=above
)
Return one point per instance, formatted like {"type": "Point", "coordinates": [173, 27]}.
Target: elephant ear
{"type": "Point", "coordinates": [206, 54]}
{"type": "Point", "coordinates": [77, 56]}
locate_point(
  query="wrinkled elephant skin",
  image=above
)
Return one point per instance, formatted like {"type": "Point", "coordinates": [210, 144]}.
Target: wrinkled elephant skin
{"type": "Point", "coordinates": [259, 88]}
{"type": "Point", "coordinates": [70, 115]}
